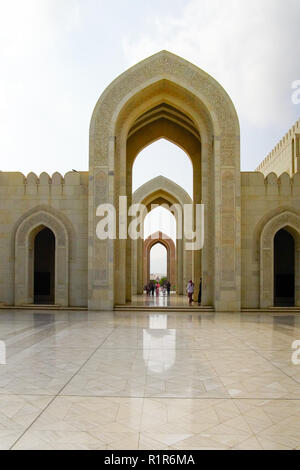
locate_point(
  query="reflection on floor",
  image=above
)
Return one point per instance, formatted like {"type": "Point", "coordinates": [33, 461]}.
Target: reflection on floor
{"type": "Point", "coordinates": [161, 300]}
{"type": "Point", "coordinates": [83, 380]}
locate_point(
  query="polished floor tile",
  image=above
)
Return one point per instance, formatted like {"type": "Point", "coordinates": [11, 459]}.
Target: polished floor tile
{"type": "Point", "coordinates": [129, 380]}
{"type": "Point", "coordinates": [17, 412]}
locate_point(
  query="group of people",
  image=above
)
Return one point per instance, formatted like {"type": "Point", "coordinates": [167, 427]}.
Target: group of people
{"type": "Point", "coordinates": [153, 288]}
{"type": "Point", "coordinates": [190, 288]}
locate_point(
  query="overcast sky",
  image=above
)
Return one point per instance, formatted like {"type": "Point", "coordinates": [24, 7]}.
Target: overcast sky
{"type": "Point", "coordinates": [57, 57]}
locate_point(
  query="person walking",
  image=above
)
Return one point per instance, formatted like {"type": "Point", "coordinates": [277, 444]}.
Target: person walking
{"type": "Point", "coordinates": [168, 287]}
{"type": "Point", "coordinates": [157, 288]}
{"type": "Point", "coordinates": [152, 288]}
{"type": "Point", "coordinates": [190, 291]}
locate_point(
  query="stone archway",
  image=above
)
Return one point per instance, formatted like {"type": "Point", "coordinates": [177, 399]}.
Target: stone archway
{"type": "Point", "coordinates": [162, 191]}
{"type": "Point", "coordinates": [168, 243]}
{"type": "Point", "coordinates": [290, 222]}
{"type": "Point", "coordinates": [24, 257]}
{"type": "Point", "coordinates": [164, 88]}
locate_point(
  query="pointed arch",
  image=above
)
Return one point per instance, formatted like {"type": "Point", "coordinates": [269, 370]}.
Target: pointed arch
{"type": "Point", "coordinates": [162, 190]}
{"type": "Point", "coordinates": [161, 183]}
{"type": "Point", "coordinates": [290, 221]}
{"type": "Point", "coordinates": [26, 230]}
{"type": "Point", "coordinates": [168, 243]}
{"type": "Point", "coordinates": [166, 88]}
{"type": "Point", "coordinates": [56, 214]}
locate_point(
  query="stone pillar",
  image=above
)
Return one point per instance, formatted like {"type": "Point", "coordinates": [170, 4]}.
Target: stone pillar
{"type": "Point", "coordinates": [179, 256]}
{"type": "Point", "coordinates": [197, 199]}
{"type": "Point", "coordinates": [140, 266]}
{"type": "Point", "coordinates": [134, 248]}
{"type": "Point", "coordinates": [101, 252]}
{"type": "Point", "coordinates": [297, 272]}
{"type": "Point", "coordinates": [227, 195]}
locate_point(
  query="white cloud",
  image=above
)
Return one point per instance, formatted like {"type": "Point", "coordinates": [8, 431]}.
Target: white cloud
{"type": "Point", "coordinates": [251, 48]}
{"type": "Point", "coordinates": [33, 93]}
{"type": "Point", "coordinates": [31, 26]}
{"type": "Point", "coordinates": [57, 56]}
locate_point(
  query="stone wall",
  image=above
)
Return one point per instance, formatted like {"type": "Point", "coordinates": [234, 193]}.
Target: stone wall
{"type": "Point", "coordinates": [263, 198]}
{"type": "Point", "coordinates": [66, 197]}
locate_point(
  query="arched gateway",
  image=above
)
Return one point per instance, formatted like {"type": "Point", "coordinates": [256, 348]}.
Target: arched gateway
{"type": "Point", "coordinates": [165, 96]}
{"type": "Point", "coordinates": [168, 243]}
{"type": "Point", "coordinates": [162, 191]}
{"type": "Point", "coordinates": [251, 253]}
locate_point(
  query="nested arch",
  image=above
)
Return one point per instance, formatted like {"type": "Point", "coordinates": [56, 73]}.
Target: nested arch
{"type": "Point", "coordinates": [162, 191]}
{"type": "Point", "coordinates": [167, 91]}
{"type": "Point", "coordinates": [175, 193]}
{"type": "Point", "coordinates": [167, 242]}
{"type": "Point", "coordinates": [155, 74]}
{"type": "Point", "coordinates": [57, 215]}
{"type": "Point", "coordinates": [162, 117]}
{"type": "Point", "coordinates": [270, 215]}
{"type": "Point", "coordinates": [289, 221]}
{"type": "Point", "coordinates": [186, 139]}
{"type": "Point", "coordinates": [25, 235]}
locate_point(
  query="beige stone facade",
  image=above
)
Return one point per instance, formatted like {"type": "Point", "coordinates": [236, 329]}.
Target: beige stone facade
{"type": "Point", "coordinates": [162, 97]}
{"type": "Point", "coordinates": [285, 157]}
{"type": "Point", "coordinates": [27, 204]}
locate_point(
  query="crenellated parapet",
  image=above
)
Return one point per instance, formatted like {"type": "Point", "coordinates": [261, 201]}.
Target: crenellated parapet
{"type": "Point", "coordinates": [283, 185]}
{"type": "Point", "coordinates": [285, 155]}
{"type": "Point", "coordinates": [44, 184]}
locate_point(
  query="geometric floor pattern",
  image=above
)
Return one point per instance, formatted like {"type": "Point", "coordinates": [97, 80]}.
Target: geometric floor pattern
{"type": "Point", "coordinates": [139, 380]}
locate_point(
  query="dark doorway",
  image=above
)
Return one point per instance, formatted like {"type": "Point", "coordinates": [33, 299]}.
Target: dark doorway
{"type": "Point", "coordinates": [44, 267]}
{"type": "Point", "coordinates": [284, 269]}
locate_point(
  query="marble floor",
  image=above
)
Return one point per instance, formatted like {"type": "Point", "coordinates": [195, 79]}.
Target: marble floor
{"type": "Point", "coordinates": [161, 301]}
{"type": "Point", "coordinates": [138, 380]}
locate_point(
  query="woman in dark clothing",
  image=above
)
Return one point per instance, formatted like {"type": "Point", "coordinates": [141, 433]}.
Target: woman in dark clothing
{"type": "Point", "coordinates": [200, 292]}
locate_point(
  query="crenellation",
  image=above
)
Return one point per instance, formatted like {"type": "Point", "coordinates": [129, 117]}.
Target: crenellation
{"type": "Point", "coordinates": [285, 186]}
{"type": "Point", "coordinates": [57, 179]}
{"type": "Point", "coordinates": [15, 179]}
{"type": "Point", "coordinates": [44, 179]}
{"type": "Point", "coordinates": [281, 158]}
{"type": "Point", "coordinates": [257, 183]}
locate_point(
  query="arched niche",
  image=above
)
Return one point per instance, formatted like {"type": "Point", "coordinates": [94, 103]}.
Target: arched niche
{"type": "Point", "coordinates": [25, 234]}
{"type": "Point", "coordinates": [291, 222]}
